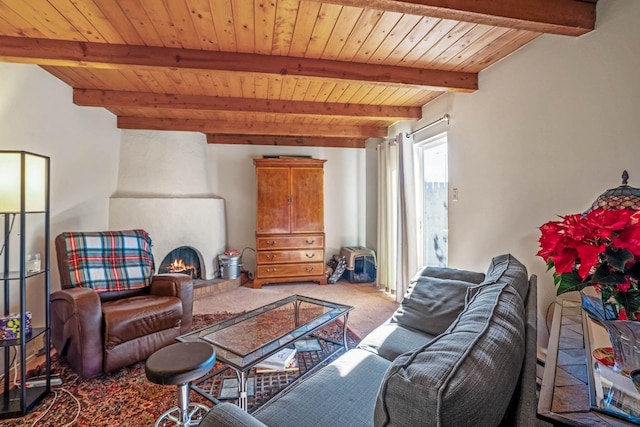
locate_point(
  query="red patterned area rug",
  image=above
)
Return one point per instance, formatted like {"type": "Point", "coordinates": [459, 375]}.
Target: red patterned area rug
{"type": "Point", "coordinates": [124, 398]}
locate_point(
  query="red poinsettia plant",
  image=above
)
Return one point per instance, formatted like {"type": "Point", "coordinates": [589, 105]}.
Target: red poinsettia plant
{"type": "Point", "coordinates": [599, 249]}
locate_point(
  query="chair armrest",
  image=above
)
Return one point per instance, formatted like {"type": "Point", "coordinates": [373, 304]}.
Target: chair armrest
{"type": "Point", "coordinates": [229, 415]}
{"type": "Point", "coordinates": [176, 285]}
{"type": "Point", "coordinates": [76, 329]}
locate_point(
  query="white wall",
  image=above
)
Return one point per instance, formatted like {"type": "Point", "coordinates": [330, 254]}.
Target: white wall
{"type": "Point", "coordinates": [371, 191]}
{"type": "Point", "coordinates": [233, 178]}
{"type": "Point", "coordinates": [167, 164]}
{"type": "Point", "coordinates": [551, 127]}
{"type": "Point", "coordinates": [37, 114]}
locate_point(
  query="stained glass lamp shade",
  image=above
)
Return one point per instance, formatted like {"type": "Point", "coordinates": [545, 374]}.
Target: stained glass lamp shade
{"type": "Point", "coordinates": [622, 197]}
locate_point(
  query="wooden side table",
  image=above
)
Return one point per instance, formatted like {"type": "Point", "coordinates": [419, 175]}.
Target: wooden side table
{"type": "Point", "coordinates": [565, 394]}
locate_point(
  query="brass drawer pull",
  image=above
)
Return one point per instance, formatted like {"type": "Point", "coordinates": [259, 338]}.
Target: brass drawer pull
{"type": "Point", "coordinates": [310, 255]}
{"type": "Point", "coordinates": [310, 269]}
{"type": "Point", "coordinates": [271, 257]}
{"type": "Point", "coordinates": [271, 242]}
{"type": "Point", "coordinates": [271, 270]}
{"type": "Point", "coordinates": [310, 242]}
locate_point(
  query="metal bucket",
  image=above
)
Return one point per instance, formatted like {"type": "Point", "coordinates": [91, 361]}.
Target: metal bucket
{"type": "Point", "coordinates": [229, 266]}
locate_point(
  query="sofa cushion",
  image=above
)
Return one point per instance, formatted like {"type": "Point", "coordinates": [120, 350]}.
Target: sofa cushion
{"type": "Point", "coordinates": [341, 393]}
{"type": "Point", "coordinates": [450, 273]}
{"type": "Point", "coordinates": [390, 340]}
{"type": "Point", "coordinates": [431, 304]}
{"type": "Point", "coordinates": [471, 369]}
{"type": "Point", "coordinates": [506, 269]}
{"type": "Point", "coordinates": [226, 414]}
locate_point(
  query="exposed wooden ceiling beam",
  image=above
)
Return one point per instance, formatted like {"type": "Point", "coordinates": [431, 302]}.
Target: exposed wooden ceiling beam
{"type": "Point", "coordinates": [114, 56]}
{"type": "Point", "coordinates": [158, 101]}
{"type": "Point", "coordinates": [261, 128]}
{"type": "Point", "coordinates": [296, 141]}
{"type": "Point", "coordinates": [565, 17]}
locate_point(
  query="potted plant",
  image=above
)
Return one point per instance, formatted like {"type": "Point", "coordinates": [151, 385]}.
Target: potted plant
{"type": "Point", "coordinates": [600, 249]}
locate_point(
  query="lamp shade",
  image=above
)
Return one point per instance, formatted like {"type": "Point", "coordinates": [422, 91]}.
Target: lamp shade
{"type": "Point", "coordinates": [622, 197]}
{"type": "Point", "coordinates": [20, 169]}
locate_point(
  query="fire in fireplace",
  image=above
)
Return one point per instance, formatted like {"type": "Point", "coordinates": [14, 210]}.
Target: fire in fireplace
{"type": "Point", "coordinates": [183, 260]}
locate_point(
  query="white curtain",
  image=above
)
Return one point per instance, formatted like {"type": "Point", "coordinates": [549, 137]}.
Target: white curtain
{"type": "Point", "coordinates": [387, 214]}
{"type": "Point", "coordinates": [397, 221]}
{"type": "Point", "coordinates": [407, 262]}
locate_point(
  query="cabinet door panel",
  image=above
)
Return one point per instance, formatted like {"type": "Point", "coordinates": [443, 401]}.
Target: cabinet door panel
{"type": "Point", "coordinates": [274, 210]}
{"type": "Point", "coordinates": [307, 214]}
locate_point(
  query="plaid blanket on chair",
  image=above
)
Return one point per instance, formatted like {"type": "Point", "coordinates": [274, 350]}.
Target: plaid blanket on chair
{"type": "Point", "coordinates": [110, 260]}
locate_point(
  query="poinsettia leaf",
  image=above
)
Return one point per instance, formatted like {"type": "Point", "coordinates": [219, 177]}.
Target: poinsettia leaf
{"type": "Point", "coordinates": [589, 256]}
{"type": "Point", "coordinates": [549, 264]}
{"type": "Point", "coordinates": [629, 300]}
{"type": "Point", "coordinates": [604, 275]}
{"type": "Point", "coordinates": [634, 271]}
{"type": "Point", "coordinates": [569, 282]}
{"type": "Point", "coordinates": [618, 258]}
{"type": "Point", "coordinates": [607, 291]}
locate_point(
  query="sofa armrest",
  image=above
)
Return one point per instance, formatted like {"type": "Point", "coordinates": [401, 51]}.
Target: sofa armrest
{"type": "Point", "coordinates": [76, 325]}
{"type": "Point", "coordinates": [229, 415]}
{"type": "Point", "coordinates": [176, 285]}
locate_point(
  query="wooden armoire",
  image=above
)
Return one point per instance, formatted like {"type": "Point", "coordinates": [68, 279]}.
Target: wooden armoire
{"type": "Point", "coordinates": [289, 221]}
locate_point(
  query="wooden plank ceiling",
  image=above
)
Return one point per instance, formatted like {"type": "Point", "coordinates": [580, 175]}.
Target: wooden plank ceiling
{"type": "Point", "coordinates": [289, 72]}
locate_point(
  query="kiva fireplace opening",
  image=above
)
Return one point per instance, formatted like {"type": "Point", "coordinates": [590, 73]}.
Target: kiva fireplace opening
{"type": "Point", "coordinates": [183, 260]}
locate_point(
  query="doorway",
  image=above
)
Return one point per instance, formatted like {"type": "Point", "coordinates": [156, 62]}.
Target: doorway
{"type": "Point", "coordinates": [432, 161]}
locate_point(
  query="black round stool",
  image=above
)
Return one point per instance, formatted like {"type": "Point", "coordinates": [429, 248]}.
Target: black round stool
{"type": "Point", "coordinates": [179, 364]}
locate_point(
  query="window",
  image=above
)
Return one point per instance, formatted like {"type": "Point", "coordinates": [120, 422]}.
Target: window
{"type": "Point", "coordinates": [432, 200]}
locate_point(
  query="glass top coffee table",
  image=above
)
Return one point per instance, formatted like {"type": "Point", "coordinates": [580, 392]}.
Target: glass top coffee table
{"type": "Point", "coordinates": [243, 341]}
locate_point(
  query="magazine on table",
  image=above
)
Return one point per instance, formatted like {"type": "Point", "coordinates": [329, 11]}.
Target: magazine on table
{"type": "Point", "coordinates": [279, 361]}
{"type": "Point", "coordinates": [292, 368]}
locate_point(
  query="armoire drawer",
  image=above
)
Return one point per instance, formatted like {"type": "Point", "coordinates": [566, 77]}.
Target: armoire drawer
{"type": "Point", "coordinates": [290, 242]}
{"type": "Point", "coordinates": [285, 270]}
{"type": "Point", "coordinates": [295, 255]}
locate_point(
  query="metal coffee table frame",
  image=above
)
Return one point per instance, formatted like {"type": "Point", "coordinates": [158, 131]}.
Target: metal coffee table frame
{"type": "Point", "coordinates": [227, 338]}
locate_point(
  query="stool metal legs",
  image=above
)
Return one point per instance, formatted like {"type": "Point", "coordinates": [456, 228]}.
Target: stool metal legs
{"type": "Point", "coordinates": [185, 414]}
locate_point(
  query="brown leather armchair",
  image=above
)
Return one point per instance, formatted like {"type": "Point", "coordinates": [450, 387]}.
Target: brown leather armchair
{"type": "Point", "coordinates": [112, 310]}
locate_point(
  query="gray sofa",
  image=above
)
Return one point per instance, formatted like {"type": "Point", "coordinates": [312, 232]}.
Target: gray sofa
{"type": "Point", "coordinates": [459, 351]}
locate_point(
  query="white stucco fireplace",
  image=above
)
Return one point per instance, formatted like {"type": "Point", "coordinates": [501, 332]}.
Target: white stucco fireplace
{"type": "Point", "coordinates": [163, 188]}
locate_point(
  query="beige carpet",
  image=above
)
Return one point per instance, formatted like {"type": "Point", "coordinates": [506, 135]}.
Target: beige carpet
{"type": "Point", "coordinates": [372, 306]}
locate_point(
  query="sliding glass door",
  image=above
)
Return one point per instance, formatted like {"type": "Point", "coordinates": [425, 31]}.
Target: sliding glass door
{"type": "Point", "coordinates": [431, 162]}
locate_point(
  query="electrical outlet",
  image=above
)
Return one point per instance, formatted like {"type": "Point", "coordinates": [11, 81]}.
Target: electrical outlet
{"type": "Point", "coordinates": [454, 195]}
